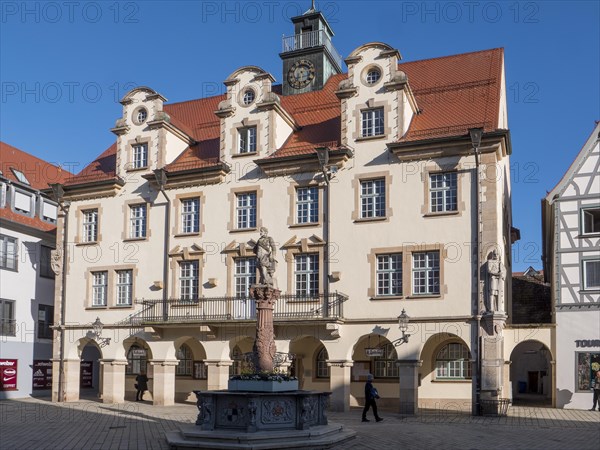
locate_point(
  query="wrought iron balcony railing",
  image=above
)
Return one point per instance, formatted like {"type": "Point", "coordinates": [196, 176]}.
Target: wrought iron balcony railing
{"type": "Point", "coordinates": [212, 309]}
{"type": "Point", "coordinates": [311, 39]}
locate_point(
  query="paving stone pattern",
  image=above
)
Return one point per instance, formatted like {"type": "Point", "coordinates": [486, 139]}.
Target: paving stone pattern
{"type": "Point", "coordinates": [40, 424]}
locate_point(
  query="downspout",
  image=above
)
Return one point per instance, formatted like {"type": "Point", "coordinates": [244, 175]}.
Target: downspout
{"type": "Point", "coordinates": [326, 249]}
{"type": "Point", "coordinates": [161, 179]}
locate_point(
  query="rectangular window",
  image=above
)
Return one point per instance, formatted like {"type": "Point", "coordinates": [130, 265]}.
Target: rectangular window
{"type": "Point", "coordinates": [372, 122]}
{"type": "Point", "coordinates": [443, 192]}
{"type": "Point", "coordinates": [7, 318]}
{"type": "Point", "coordinates": [307, 275]}
{"type": "Point", "coordinates": [590, 221]}
{"type": "Point", "coordinates": [307, 205]}
{"type": "Point", "coordinates": [90, 225]}
{"type": "Point", "coordinates": [587, 366]}
{"type": "Point", "coordinates": [124, 287]}
{"type": "Point", "coordinates": [23, 202]}
{"type": "Point", "coordinates": [45, 268]}
{"type": "Point", "coordinates": [140, 156]}
{"type": "Point", "coordinates": [591, 274]}
{"type": "Point", "coordinates": [247, 140]}
{"type": "Point", "coordinates": [137, 221]}
{"type": "Point", "coordinates": [49, 211]}
{"type": "Point", "coordinates": [245, 276]}
{"type": "Point", "coordinates": [372, 198]}
{"type": "Point", "coordinates": [45, 321]}
{"type": "Point", "coordinates": [426, 273]}
{"type": "Point", "coordinates": [188, 280]}
{"type": "Point", "coordinates": [246, 210]}
{"type": "Point", "coordinates": [200, 370]}
{"type": "Point", "coordinates": [389, 274]}
{"type": "Point", "coordinates": [99, 288]}
{"type": "Point", "coordinates": [8, 252]}
{"type": "Point", "coordinates": [190, 215]}
{"type": "Point", "coordinates": [386, 366]}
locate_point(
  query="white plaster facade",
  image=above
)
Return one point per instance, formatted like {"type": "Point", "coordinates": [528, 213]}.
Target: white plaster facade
{"type": "Point", "coordinates": [356, 315]}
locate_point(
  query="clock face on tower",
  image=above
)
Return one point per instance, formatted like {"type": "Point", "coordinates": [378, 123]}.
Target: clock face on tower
{"type": "Point", "coordinates": [301, 74]}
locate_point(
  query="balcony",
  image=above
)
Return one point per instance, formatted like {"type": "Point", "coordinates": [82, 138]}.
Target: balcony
{"type": "Point", "coordinates": [312, 39]}
{"type": "Point", "coordinates": [232, 309]}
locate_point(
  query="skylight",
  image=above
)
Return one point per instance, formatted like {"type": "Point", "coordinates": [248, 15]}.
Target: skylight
{"type": "Point", "coordinates": [20, 176]}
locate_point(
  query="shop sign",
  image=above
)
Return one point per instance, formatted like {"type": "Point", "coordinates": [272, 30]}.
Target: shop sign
{"type": "Point", "coordinates": [587, 343]}
{"type": "Point", "coordinates": [86, 374]}
{"type": "Point", "coordinates": [371, 352]}
{"type": "Point", "coordinates": [42, 374]}
{"type": "Point", "coordinates": [8, 374]}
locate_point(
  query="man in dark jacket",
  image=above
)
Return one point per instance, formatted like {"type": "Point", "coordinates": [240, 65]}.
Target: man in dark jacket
{"type": "Point", "coordinates": [141, 386]}
{"type": "Point", "coordinates": [370, 396]}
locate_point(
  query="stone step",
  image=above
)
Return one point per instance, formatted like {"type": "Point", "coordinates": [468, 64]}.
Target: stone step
{"type": "Point", "coordinates": [319, 437]}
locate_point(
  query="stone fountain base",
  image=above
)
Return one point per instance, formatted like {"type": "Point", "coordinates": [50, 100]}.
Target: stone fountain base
{"type": "Point", "coordinates": [260, 420]}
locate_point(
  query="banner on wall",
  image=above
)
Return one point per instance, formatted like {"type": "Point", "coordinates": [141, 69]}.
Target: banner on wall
{"type": "Point", "coordinates": [42, 374]}
{"type": "Point", "coordinates": [86, 374]}
{"type": "Point", "coordinates": [8, 374]}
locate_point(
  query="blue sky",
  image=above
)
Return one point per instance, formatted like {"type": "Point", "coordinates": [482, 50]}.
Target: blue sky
{"type": "Point", "coordinates": [65, 65]}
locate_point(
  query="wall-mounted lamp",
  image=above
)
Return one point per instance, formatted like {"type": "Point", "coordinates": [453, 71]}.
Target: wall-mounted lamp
{"type": "Point", "coordinates": [403, 320]}
{"type": "Point", "coordinates": [96, 332]}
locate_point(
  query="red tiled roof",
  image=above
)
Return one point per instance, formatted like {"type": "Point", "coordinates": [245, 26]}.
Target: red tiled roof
{"type": "Point", "coordinates": [40, 175]}
{"type": "Point", "coordinates": [454, 93]}
{"type": "Point", "coordinates": [38, 172]}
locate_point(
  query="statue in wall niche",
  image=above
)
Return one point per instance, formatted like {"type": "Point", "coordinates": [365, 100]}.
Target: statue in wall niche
{"type": "Point", "coordinates": [496, 274]}
{"type": "Point", "coordinates": [265, 258]}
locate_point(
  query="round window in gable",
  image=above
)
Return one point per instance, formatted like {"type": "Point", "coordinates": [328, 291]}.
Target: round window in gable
{"type": "Point", "coordinates": [373, 76]}
{"type": "Point", "coordinates": [248, 97]}
{"type": "Point", "coordinates": [140, 115]}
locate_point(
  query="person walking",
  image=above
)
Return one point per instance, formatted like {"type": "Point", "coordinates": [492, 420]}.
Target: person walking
{"type": "Point", "coordinates": [141, 386]}
{"type": "Point", "coordinates": [371, 395]}
{"type": "Point", "coordinates": [596, 388]}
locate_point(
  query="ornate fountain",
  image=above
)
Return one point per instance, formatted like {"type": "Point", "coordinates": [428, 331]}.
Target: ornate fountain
{"type": "Point", "coordinates": [264, 409]}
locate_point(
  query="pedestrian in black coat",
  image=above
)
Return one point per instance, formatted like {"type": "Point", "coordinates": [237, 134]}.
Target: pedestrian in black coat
{"type": "Point", "coordinates": [371, 395]}
{"type": "Point", "coordinates": [141, 385]}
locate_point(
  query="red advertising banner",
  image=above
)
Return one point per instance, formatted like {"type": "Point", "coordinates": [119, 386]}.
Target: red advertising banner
{"type": "Point", "coordinates": [86, 374]}
{"type": "Point", "coordinates": [42, 374]}
{"type": "Point", "coordinates": [8, 374]}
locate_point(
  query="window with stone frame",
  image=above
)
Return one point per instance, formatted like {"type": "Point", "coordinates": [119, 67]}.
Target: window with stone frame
{"type": "Point", "coordinates": [186, 359]}
{"type": "Point", "coordinates": [99, 288]}
{"type": "Point", "coordinates": [247, 140]}
{"type": "Point", "coordinates": [453, 362]}
{"type": "Point", "coordinates": [137, 221]}
{"type": "Point", "coordinates": [140, 156]}
{"type": "Point", "coordinates": [372, 122]}
{"type": "Point", "coordinates": [245, 211]}
{"type": "Point", "coordinates": [190, 215]}
{"type": "Point", "coordinates": [443, 192]}
{"type": "Point", "coordinates": [306, 272]}
{"type": "Point", "coordinates": [45, 257]}
{"type": "Point", "coordinates": [322, 369]}
{"type": "Point", "coordinates": [372, 198]}
{"type": "Point", "coordinates": [307, 205]}
{"type": "Point", "coordinates": [389, 274]}
{"type": "Point", "coordinates": [137, 360]}
{"type": "Point", "coordinates": [386, 366]}
{"type": "Point", "coordinates": [244, 276]}
{"type": "Point", "coordinates": [124, 287]}
{"type": "Point", "coordinates": [188, 280]}
{"type": "Point", "coordinates": [90, 225]}
{"type": "Point", "coordinates": [426, 273]}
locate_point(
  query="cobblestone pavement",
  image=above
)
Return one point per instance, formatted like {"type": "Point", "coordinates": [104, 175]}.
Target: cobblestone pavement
{"type": "Point", "coordinates": [40, 424]}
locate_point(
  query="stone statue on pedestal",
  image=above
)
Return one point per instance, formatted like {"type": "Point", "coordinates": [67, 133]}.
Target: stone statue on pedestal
{"type": "Point", "coordinates": [496, 274]}
{"type": "Point", "coordinates": [265, 258]}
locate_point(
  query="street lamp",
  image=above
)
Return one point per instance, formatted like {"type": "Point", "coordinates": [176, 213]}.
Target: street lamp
{"type": "Point", "coordinates": [403, 320]}
{"type": "Point", "coordinates": [97, 333]}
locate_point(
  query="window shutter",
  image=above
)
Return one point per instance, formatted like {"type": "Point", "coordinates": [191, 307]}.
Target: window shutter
{"type": "Point", "coordinates": [22, 201]}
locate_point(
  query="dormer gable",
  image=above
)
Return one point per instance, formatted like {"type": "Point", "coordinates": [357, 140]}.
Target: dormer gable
{"type": "Point", "coordinates": [147, 137]}
{"type": "Point", "coordinates": [376, 95]}
{"type": "Point", "coordinates": [253, 122]}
